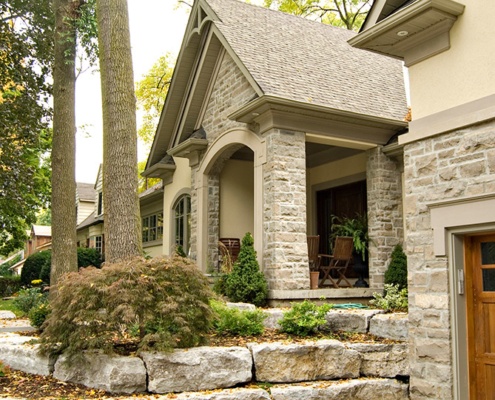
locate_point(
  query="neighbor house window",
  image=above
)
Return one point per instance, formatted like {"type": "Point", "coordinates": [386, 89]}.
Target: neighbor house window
{"type": "Point", "coordinates": [99, 243]}
{"type": "Point", "coordinates": [182, 222]}
{"type": "Point", "coordinates": [100, 203]}
{"type": "Point", "coordinates": [152, 227]}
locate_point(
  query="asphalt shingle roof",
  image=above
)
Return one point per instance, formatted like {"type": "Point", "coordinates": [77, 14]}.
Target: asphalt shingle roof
{"type": "Point", "coordinates": [86, 191]}
{"type": "Point", "coordinates": [306, 61]}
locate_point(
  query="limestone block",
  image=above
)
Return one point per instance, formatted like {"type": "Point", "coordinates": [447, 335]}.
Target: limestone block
{"type": "Point", "coordinates": [116, 374]}
{"type": "Point", "coordinates": [274, 315]}
{"type": "Point", "coordinates": [242, 306]}
{"type": "Point", "coordinates": [18, 354]}
{"type": "Point", "coordinates": [229, 394]}
{"type": "Point", "coordinates": [324, 359]}
{"type": "Point", "coordinates": [391, 326]}
{"type": "Point", "coordinates": [349, 320]}
{"type": "Point", "coordinates": [4, 314]}
{"type": "Point", "coordinates": [14, 338]}
{"type": "Point", "coordinates": [383, 360]}
{"type": "Point", "coordinates": [198, 368]}
{"type": "Point", "coordinates": [356, 389]}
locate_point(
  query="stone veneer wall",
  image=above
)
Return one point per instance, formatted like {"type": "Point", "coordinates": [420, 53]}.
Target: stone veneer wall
{"type": "Point", "coordinates": [448, 166]}
{"type": "Point", "coordinates": [285, 250]}
{"type": "Point", "coordinates": [385, 222]}
{"type": "Point", "coordinates": [230, 91]}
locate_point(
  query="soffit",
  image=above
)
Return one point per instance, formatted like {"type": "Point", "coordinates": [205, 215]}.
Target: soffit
{"type": "Point", "coordinates": [422, 23]}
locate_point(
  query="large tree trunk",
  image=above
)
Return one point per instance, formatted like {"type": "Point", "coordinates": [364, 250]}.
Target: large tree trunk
{"type": "Point", "coordinates": [120, 179]}
{"type": "Point", "coordinates": [64, 252]}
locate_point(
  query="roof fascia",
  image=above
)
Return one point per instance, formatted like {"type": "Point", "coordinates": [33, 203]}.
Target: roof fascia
{"type": "Point", "coordinates": [269, 112]}
{"type": "Point", "coordinates": [373, 14]}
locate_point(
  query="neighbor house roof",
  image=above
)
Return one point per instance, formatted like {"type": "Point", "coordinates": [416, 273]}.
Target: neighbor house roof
{"type": "Point", "coordinates": [310, 62]}
{"type": "Point", "coordinates": [42, 230]}
{"type": "Point", "coordinates": [91, 220]}
{"type": "Point", "coordinates": [86, 191]}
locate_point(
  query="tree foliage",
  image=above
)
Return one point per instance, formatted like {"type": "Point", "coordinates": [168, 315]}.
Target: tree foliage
{"type": "Point", "coordinates": [26, 52]}
{"type": "Point", "coordinates": [150, 93]}
{"type": "Point", "coordinates": [165, 299]}
{"type": "Point", "coordinates": [349, 14]}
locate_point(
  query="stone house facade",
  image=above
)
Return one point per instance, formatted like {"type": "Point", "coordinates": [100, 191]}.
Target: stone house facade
{"type": "Point", "coordinates": [449, 188]}
{"type": "Point", "coordinates": [272, 130]}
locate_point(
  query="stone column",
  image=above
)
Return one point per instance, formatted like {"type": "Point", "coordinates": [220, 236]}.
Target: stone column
{"type": "Point", "coordinates": [285, 251]}
{"type": "Point", "coordinates": [213, 220]}
{"type": "Point", "coordinates": [385, 221]}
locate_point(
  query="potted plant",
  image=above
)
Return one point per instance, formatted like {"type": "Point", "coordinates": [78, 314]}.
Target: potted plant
{"type": "Point", "coordinates": [357, 228]}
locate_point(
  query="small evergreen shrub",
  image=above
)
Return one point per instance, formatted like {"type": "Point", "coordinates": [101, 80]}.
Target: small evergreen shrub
{"type": "Point", "coordinates": [246, 283]}
{"type": "Point", "coordinates": [396, 273]}
{"type": "Point", "coordinates": [38, 314]}
{"type": "Point", "coordinates": [393, 299]}
{"type": "Point", "coordinates": [29, 298]}
{"type": "Point", "coordinates": [9, 285]}
{"type": "Point", "coordinates": [232, 321]}
{"type": "Point", "coordinates": [166, 299]}
{"type": "Point", "coordinates": [304, 319]}
{"type": "Point", "coordinates": [33, 266]}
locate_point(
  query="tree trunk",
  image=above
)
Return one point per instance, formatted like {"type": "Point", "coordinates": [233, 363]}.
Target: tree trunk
{"type": "Point", "coordinates": [64, 252]}
{"type": "Point", "coordinates": [120, 179]}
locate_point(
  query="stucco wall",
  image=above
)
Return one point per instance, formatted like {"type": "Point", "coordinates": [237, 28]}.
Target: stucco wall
{"type": "Point", "coordinates": [181, 184]}
{"type": "Point", "coordinates": [236, 199]}
{"type": "Point", "coordinates": [462, 73]}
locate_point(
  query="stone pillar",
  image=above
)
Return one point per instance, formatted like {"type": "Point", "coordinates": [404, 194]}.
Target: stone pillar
{"type": "Point", "coordinates": [213, 220]}
{"type": "Point", "coordinates": [285, 252]}
{"type": "Point", "coordinates": [385, 221]}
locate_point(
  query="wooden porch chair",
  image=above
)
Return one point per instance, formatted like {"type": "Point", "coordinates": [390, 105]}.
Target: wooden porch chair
{"type": "Point", "coordinates": [338, 262]}
{"type": "Point", "coordinates": [313, 248]}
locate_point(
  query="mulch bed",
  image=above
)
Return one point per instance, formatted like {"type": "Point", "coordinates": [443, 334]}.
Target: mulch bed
{"type": "Point", "coordinates": [22, 385]}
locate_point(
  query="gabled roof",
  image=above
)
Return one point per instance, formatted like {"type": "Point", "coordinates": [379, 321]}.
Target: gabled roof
{"type": "Point", "coordinates": [85, 191]}
{"type": "Point", "coordinates": [90, 220]}
{"type": "Point", "coordinates": [42, 230]}
{"type": "Point", "coordinates": [282, 56]}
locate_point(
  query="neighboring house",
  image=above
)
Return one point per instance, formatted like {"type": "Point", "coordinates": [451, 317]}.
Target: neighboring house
{"type": "Point", "coordinates": [40, 238]}
{"type": "Point", "coordinates": [272, 124]}
{"type": "Point", "coordinates": [449, 188]}
{"type": "Point", "coordinates": [91, 233]}
{"type": "Point", "coordinates": [85, 200]}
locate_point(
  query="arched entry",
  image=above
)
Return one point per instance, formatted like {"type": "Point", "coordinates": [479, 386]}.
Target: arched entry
{"type": "Point", "coordinates": [218, 152]}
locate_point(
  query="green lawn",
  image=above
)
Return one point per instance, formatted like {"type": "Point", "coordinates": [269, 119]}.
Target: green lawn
{"type": "Point", "coordinates": [9, 305]}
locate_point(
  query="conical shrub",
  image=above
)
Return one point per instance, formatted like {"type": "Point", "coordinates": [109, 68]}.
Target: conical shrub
{"type": "Point", "coordinates": [396, 273]}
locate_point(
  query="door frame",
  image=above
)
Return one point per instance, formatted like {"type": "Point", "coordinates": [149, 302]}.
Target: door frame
{"type": "Point", "coordinates": [455, 239]}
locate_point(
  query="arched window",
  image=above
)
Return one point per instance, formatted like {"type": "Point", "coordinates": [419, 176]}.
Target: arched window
{"type": "Point", "coordinates": [182, 222]}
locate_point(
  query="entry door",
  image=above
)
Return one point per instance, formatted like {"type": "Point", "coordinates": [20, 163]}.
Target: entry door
{"type": "Point", "coordinates": [480, 280]}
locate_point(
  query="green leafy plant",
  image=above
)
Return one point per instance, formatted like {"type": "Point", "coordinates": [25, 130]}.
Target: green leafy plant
{"type": "Point", "coordinates": [246, 283]}
{"type": "Point", "coordinates": [233, 321]}
{"type": "Point", "coordinates": [393, 299]}
{"type": "Point", "coordinates": [9, 285]}
{"type": "Point", "coordinates": [38, 314]}
{"type": "Point", "coordinates": [396, 273]}
{"type": "Point", "coordinates": [29, 298]}
{"type": "Point", "coordinates": [4, 369]}
{"type": "Point", "coordinates": [167, 299]}
{"type": "Point", "coordinates": [357, 228]}
{"type": "Point", "coordinates": [304, 319]}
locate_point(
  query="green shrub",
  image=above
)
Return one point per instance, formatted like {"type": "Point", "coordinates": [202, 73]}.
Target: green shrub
{"type": "Point", "coordinates": [166, 298]}
{"type": "Point", "coordinates": [29, 298]}
{"type": "Point", "coordinates": [233, 321]}
{"type": "Point", "coordinates": [9, 285]}
{"type": "Point", "coordinates": [396, 273]}
{"type": "Point", "coordinates": [85, 257]}
{"type": "Point", "coordinates": [5, 267]}
{"type": "Point", "coordinates": [219, 287]}
{"type": "Point", "coordinates": [33, 266]}
{"type": "Point", "coordinates": [38, 314]}
{"type": "Point", "coordinates": [393, 299]}
{"type": "Point", "coordinates": [304, 319]}
{"type": "Point", "coordinates": [246, 283]}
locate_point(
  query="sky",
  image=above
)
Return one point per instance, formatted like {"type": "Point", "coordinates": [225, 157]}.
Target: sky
{"type": "Point", "coordinates": [156, 28]}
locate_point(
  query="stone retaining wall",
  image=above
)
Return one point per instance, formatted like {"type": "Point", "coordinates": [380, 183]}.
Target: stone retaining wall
{"type": "Point", "coordinates": [330, 369]}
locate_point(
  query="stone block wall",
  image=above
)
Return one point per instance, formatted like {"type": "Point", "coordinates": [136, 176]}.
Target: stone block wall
{"type": "Point", "coordinates": [284, 215]}
{"type": "Point", "coordinates": [448, 166]}
{"type": "Point", "coordinates": [385, 222]}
